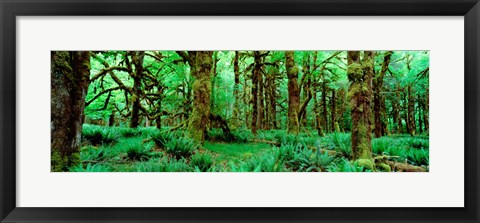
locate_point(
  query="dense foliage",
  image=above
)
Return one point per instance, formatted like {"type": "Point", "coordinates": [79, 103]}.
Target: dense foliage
{"type": "Point", "coordinates": [250, 111]}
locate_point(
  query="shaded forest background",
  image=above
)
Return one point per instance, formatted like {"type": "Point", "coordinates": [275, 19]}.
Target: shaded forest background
{"type": "Point", "coordinates": [232, 96]}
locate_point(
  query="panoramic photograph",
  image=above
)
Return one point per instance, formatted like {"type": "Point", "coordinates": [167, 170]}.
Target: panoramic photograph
{"type": "Point", "coordinates": [240, 111]}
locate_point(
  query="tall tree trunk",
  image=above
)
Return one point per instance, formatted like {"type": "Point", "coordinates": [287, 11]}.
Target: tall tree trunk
{"type": "Point", "coordinates": [405, 111]}
{"type": "Point", "coordinates": [268, 102]}
{"type": "Point", "coordinates": [111, 119]}
{"type": "Point", "coordinates": [236, 89]}
{"type": "Point", "coordinates": [420, 119]}
{"type": "Point", "coordinates": [69, 83]}
{"type": "Point", "coordinates": [261, 105]}
{"type": "Point", "coordinates": [425, 118]}
{"type": "Point", "coordinates": [246, 107]}
{"type": "Point", "coordinates": [411, 114]}
{"type": "Point", "coordinates": [324, 106]}
{"type": "Point", "coordinates": [293, 125]}
{"type": "Point", "coordinates": [316, 104]}
{"type": "Point", "coordinates": [318, 119]}
{"type": "Point", "coordinates": [394, 118]}
{"type": "Point", "coordinates": [384, 117]}
{"type": "Point", "coordinates": [158, 122]}
{"type": "Point", "coordinates": [137, 60]}
{"type": "Point", "coordinates": [399, 109]}
{"type": "Point", "coordinates": [214, 82]}
{"type": "Point", "coordinates": [273, 98]}
{"type": "Point", "coordinates": [342, 107]}
{"type": "Point", "coordinates": [396, 114]}
{"type": "Point", "coordinates": [158, 118]}
{"type": "Point", "coordinates": [333, 111]}
{"type": "Point", "coordinates": [378, 99]}
{"type": "Point", "coordinates": [255, 75]}
{"type": "Point", "coordinates": [201, 65]}
{"type": "Point", "coordinates": [425, 111]}
{"type": "Point", "coordinates": [302, 113]}
{"type": "Point", "coordinates": [360, 97]}
{"type": "Point", "coordinates": [306, 93]}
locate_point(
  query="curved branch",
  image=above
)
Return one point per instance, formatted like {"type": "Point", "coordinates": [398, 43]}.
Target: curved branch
{"type": "Point", "coordinates": [100, 94]}
{"type": "Point", "coordinates": [107, 70]}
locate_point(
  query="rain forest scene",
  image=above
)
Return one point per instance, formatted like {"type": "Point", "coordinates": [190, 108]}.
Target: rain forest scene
{"type": "Point", "coordinates": [240, 111]}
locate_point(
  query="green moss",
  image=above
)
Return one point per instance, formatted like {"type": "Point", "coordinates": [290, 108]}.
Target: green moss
{"type": "Point", "coordinates": [295, 69]}
{"type": "Point", "coordinates": [383, 167]}
{"type": "Point", "coordinates": [61, 66]}
{"type": "Point", "coordinates": [354, 89]}
{"type": "Point", "coordinates": [364, 87]}
{"type": "Point", "coordinates": [74, 159]}
{"type": "Point", "coordinates": [201, 110]}
{"type": "Point", "coordinates": [195, 130]}
{"type": "Point", "coordinates": [57, 161]}
{"type": "Point", "coordinates": [361, 130]}
{"type": "Point", "coordinates": [365, 163]}
{"type": "Point", "coordinates": [61, 163]}
{"type": "Point", "coordinates": [367, 63]}
{"type": "Point", "coordinates": [293, 124]}
{"type": "Point", "coordinates": [363, 148]}
{"type": "Point", "coordinates": [354, 71]}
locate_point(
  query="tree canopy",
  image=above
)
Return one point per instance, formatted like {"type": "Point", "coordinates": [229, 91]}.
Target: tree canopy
{"type": "Point", "coordinates": [259, 96]}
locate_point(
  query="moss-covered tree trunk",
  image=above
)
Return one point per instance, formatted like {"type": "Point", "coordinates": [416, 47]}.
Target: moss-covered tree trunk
{"type": "Point", "coordinates": [261, 105]}
{"type": "Point", "coordinates": [213, 76]}
{"type": "Point", "coordinates": [255, 75]}
{"type": "Point", "coordinates": [324, 106]}
{"type": "Point", "coordinates": [236, 89]}
{"type": "Point", "coordinates": [419, 110]}
{"type": "Point", "coordinates": [306, 94]}
{"type": "Point", "coordinates": [360, 74]}
{"type": "Point", "coordinates": [316, 102]}
{"type": "Point", "coordinates": [272, 97]}
{"type": "Point", "coordinates": [427, 108]}
{"type": "Point", "coordinates": [341, 108]}
{"type": "Point", "coordinates": [395, 117]}
{"type": "Point", "coordinates": [270, 103]}
{"type": "Point", "coordinates": [70, 74]}
{"type": "Point", "coordinates": [246, 107]}
{"type": "Point", "coordinates": [398, 107]}
{"type": "Point", "coordinates": [158, 117]}
{"type": "Point", "coordinates": [318, 119]}
{"type": "Point", "coordinates": [293, 126]}
{"type": "Point", "coordinates": [405, 111]}
{"type": "Point", "coordinates": [137, 75]}
{"type": "Point", "coordinates": [333, 112]}
{"type": "Point", "coordinates": [268, 111]}
{"type": "Point", "coordinates": [425, 111]}
{"type": "Point", "coordinates": [201, 65]}
{"type": "Point", "coordinates": [411, 114]}
{"type": "Point", "coordinates": [384, 118]}
{"type": "Point", "coordinates": [378, 99]}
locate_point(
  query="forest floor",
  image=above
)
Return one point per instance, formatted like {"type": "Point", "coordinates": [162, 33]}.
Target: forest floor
{"type": "Point", "coordinates": [119, 149]}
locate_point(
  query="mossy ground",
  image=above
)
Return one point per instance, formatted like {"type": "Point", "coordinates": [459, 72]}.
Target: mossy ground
{"type": "Point", "coordinates": [130, 150]}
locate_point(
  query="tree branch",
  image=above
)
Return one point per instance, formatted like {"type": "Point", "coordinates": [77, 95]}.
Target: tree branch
{"type": "Point", "coordinates": [100, 94]}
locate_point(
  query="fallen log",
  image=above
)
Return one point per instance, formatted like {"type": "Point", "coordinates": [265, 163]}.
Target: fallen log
{"type": "Point", "coordinates": [405, 167]}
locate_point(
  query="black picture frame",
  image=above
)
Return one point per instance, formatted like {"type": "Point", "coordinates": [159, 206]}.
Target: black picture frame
{"type": "Point", "coordinates": [9, 9]}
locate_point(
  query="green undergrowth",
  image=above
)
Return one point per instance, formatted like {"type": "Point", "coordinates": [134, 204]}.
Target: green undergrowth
{"type": "Point", "coordinates": [121, 149]}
